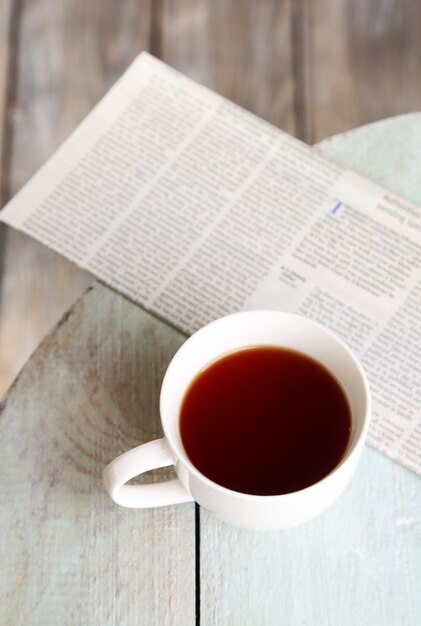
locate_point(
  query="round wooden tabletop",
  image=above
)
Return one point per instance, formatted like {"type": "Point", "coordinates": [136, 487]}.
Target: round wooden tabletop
{"type": "Point", "coordinates": [90, 391]}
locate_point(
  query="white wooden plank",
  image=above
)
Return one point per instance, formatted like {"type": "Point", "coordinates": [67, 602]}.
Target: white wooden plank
{"type": "Point", "coordinates": [70, 555]}
{"type": "Point", "coordinates": [395, 144]}
{"type": "Point", "coordinates": [358, 563]}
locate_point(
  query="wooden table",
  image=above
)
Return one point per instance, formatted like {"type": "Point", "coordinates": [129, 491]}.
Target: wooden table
{"type": "Point", "coordinates": [70, 556]}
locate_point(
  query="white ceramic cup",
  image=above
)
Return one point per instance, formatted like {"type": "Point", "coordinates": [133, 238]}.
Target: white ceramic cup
{"type": "Point", "coordinates": [229, 334]}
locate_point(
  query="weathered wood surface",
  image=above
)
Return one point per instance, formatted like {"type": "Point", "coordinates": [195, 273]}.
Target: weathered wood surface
{"type": "Point", "coordinates": [69, 555]}
{"type": "Point", "coordinates": [360, 562]}
{"type": "Point", "coordinates": [388, 152]}
{"type": "Point", "coordinates": [6, 34]}
{"type": "Point", "coordinates": [312, 67]}
{"type": "Point", "coordinates": [66, 56]}
{"type": "Point", "coordinates": [363, 59]}
{"type": "Point", "coordinates": [240, 48]}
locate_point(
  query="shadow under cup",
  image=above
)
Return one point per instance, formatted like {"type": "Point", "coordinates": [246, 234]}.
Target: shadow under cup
{"type": "Point", "coordinates": [275, 329]}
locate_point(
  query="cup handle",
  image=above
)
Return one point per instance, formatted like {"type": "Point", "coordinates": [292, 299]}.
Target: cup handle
{"type": "Point", "coordinates": [148, 456]}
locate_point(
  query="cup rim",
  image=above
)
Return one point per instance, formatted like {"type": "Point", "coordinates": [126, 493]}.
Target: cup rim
{"type": "Point", "coordinates": [181, 454]}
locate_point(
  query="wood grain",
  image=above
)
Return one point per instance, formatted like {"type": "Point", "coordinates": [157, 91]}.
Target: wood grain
{"type": "Point", "coordinates": [311, 68]}
{"type": "Point", "coordinates": [239, 48]}
{"type": "Point", "coordinates": [300, 41]}
{"type": "Point", "coordinates": [364, 58]}
{"type": "Point", "coordinates": [7, 19]}
{"type": "Point", "coordinates": [359, 562]}
{"type": "Point", "coordinates": [69, 55]}
{"type": "Point", "coordinates": [69, 555]}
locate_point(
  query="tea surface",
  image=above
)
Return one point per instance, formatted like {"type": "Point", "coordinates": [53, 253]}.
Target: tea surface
{"type": "Point", "coordinates": [265, 421]}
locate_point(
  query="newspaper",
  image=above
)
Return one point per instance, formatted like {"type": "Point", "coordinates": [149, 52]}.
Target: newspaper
{"type": "Point", "coordinates": [195, 208]}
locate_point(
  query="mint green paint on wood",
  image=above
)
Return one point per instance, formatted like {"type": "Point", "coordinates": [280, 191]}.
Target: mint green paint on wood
{"type": "Point", "coordinates": [69, 555]}
{"type": "Point", "coordinates": [358, 564]}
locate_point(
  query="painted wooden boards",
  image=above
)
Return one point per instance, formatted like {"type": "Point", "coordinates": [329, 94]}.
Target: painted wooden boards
{"type": "Point", "coordinates": [360, 562]}
{"type": "Point", "coordinates": [69, 555]}
{"type": "Point", "coordinates": [388, 152]}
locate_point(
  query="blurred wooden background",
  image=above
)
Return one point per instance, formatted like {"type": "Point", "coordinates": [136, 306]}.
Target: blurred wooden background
{"type": "Point", "coordinates": [311, 67]}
